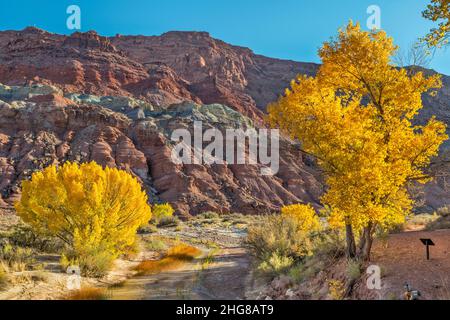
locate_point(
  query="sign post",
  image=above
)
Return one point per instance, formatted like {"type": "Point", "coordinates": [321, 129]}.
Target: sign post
{"type": "Point", "coordinates": [427, 243]}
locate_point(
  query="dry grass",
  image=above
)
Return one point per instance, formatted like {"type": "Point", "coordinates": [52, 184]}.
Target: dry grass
{"type": "Point", "coordinates": [176, 257]}
{"type": "Point", "coordinates": [3, 278]}
{"type": "Point", "coordinates": [419, 222]}
{"type": "Point", "coordinates": [89, 293]}
{"type": "Point", "coordinates": [183, 252]}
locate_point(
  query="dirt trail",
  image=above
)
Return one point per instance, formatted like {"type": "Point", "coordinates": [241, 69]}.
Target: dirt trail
{"type": "Point", "coordinates": [220, 275]}
{"type": "Point", "coordinates": [403, 259]}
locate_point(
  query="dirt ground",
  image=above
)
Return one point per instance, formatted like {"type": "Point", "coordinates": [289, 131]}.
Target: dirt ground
{"type": "Point", "coordinates": [402, 259]}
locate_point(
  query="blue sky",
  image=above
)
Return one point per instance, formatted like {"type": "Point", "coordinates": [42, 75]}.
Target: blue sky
{"type": "Point", "coordinates": [289, 29]}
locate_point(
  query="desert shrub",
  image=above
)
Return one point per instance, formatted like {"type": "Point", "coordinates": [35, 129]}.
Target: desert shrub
{"type": "Point", "coordinates": [353, 270]}
{"type": "Point", "coordinates": [94, 211]}
{"type": "Point", "coordinates": [418, 222]}
{"type": "Point", "coordinates": [162, 211]}
{"type": "Point", "coordinates": [93, 261]}
{"type": "Point", "coordinates": [208, 215]}
{"type": "Point", "coordinates": [148, 228]}
{"type": "Point", "coordinates": [40, 276]}
{"type": "Point", "coordinates": [24, 236]}
{"type": "Point", "coordinates": [442, 220]}
{"type": "Point", "coordinates": [167, 222]}
{"type": "Point", "coordinates": [281, 235]}
{"type": "Point", "coordinates": [336, 289]}
{"type": "Point", "coordinates": [3, 278]}
{"type": "Point", "coordinates": [329, 245]}
{"type": "Point", "coordinates": [444, 211]}
{"type": "Point", "coordinates": [17, 258]}
{"type": "Point", "coordinates": [155, 245]}
{"type": "Point", "coordinates": [439, 224]}
{"type": "Point", "coordinates": [306, 269]}
{"type": "Point", "coordinates": [276, 264]}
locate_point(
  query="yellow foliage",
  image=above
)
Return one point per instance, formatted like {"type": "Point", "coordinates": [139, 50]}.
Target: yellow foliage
{"type": "Point", "coordinates": [161, 211]}
{"type": "Point", "coordinates": [438, 11]}
{"type": "Point", "coordinates": [305, 216]}
{"type": "Point", "coordinates": [95, 211]}
{"type": "Point", "coordinates": [356, 117]}
{"type": "Point", "coordinates": [336, 289]}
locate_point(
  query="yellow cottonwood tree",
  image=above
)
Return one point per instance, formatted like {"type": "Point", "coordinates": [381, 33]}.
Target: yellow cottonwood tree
{"type": "Point", "coordinates": [356, 118]}
{"type": "Point", "coordinates": [438, 11]}
{"type": "Point", "coordinates": [95, 211]}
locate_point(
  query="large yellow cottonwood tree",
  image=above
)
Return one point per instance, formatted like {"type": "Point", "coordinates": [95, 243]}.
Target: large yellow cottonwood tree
{"type": "Point", "coordinates": [356, 117]}
{"type": "Point", "coordinates": [93, 210]}
{"type": "Point", "coordinates": [438, 11]}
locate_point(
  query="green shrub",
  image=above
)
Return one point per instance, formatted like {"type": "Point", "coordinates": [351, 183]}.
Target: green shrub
{"type": "Point", "coordinates": [166, 222]}
{"type": "Point", "coordinates": [276, 264]}
{"type": "Point", "coordinates": [353, 270]}
{"type": "Point", "coordinates": [148, 228]}
{"type": "Point", "coordinates": [23, 236]}
{"type": "Point", "coordinates": [93, 263]}
{"type": "Point", "coordinates": [208, 215]}
{"type": "Point", "coordinates": [155, 245]}
{"type": "Point", "coordinates": [329, 246]}
{"type": "Point", "coordinates": [306, 269]}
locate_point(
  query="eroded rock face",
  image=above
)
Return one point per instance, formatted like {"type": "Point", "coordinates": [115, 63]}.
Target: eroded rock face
{"type": "Point", "coordinates": [51, 129]}
{"type": "Point", "coordinates": [115, 100]}
{"type": "Point", "coordinates": [163, 70]}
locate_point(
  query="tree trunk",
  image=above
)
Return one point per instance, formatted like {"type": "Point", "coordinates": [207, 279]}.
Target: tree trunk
{"type": "Point", "coordinates": [351, 245]}
{"type": "Point", "coordinates": [366, 243]}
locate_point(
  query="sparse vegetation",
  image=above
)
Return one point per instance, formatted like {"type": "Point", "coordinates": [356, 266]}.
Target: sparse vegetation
{"type": "Point", "coordinates": [168, 222]}
{"type": "Point", "coordinates": [16, 258]}
{"type": "Point", "coordinates": [3, 278]}
{"type": "Point", "coordinates": [23, 236]}
{"type": "Point", "coordinates": [441, 219]}
{"type": "Point", "coordinates": [278, 242]}
{"type": "Point", "coordinates": [276, 264]}
{"type": "Point", "coordinates": [155, 244]}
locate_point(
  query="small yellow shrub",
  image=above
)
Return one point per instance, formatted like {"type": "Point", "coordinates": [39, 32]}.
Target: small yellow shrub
{"type": "Point", "coordinates": [336, 289]}
{"type": "Point", "coordinates": [305, 216]}
{"type": "Point", "coordinates": [161, 211]}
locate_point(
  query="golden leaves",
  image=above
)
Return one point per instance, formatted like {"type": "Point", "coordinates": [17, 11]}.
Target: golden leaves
{"type": "Point", "coordinates": [85, 205]}
{"type": "Point", "coordinates": [356, 117]}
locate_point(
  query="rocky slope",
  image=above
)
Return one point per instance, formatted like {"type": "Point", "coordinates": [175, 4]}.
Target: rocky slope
{"type": "Point", "coordinates": [47, 128]}
{"type": "Point", "coordinates": [171, 68]}
{"type": "Point", "coordinates": [115, 100]}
